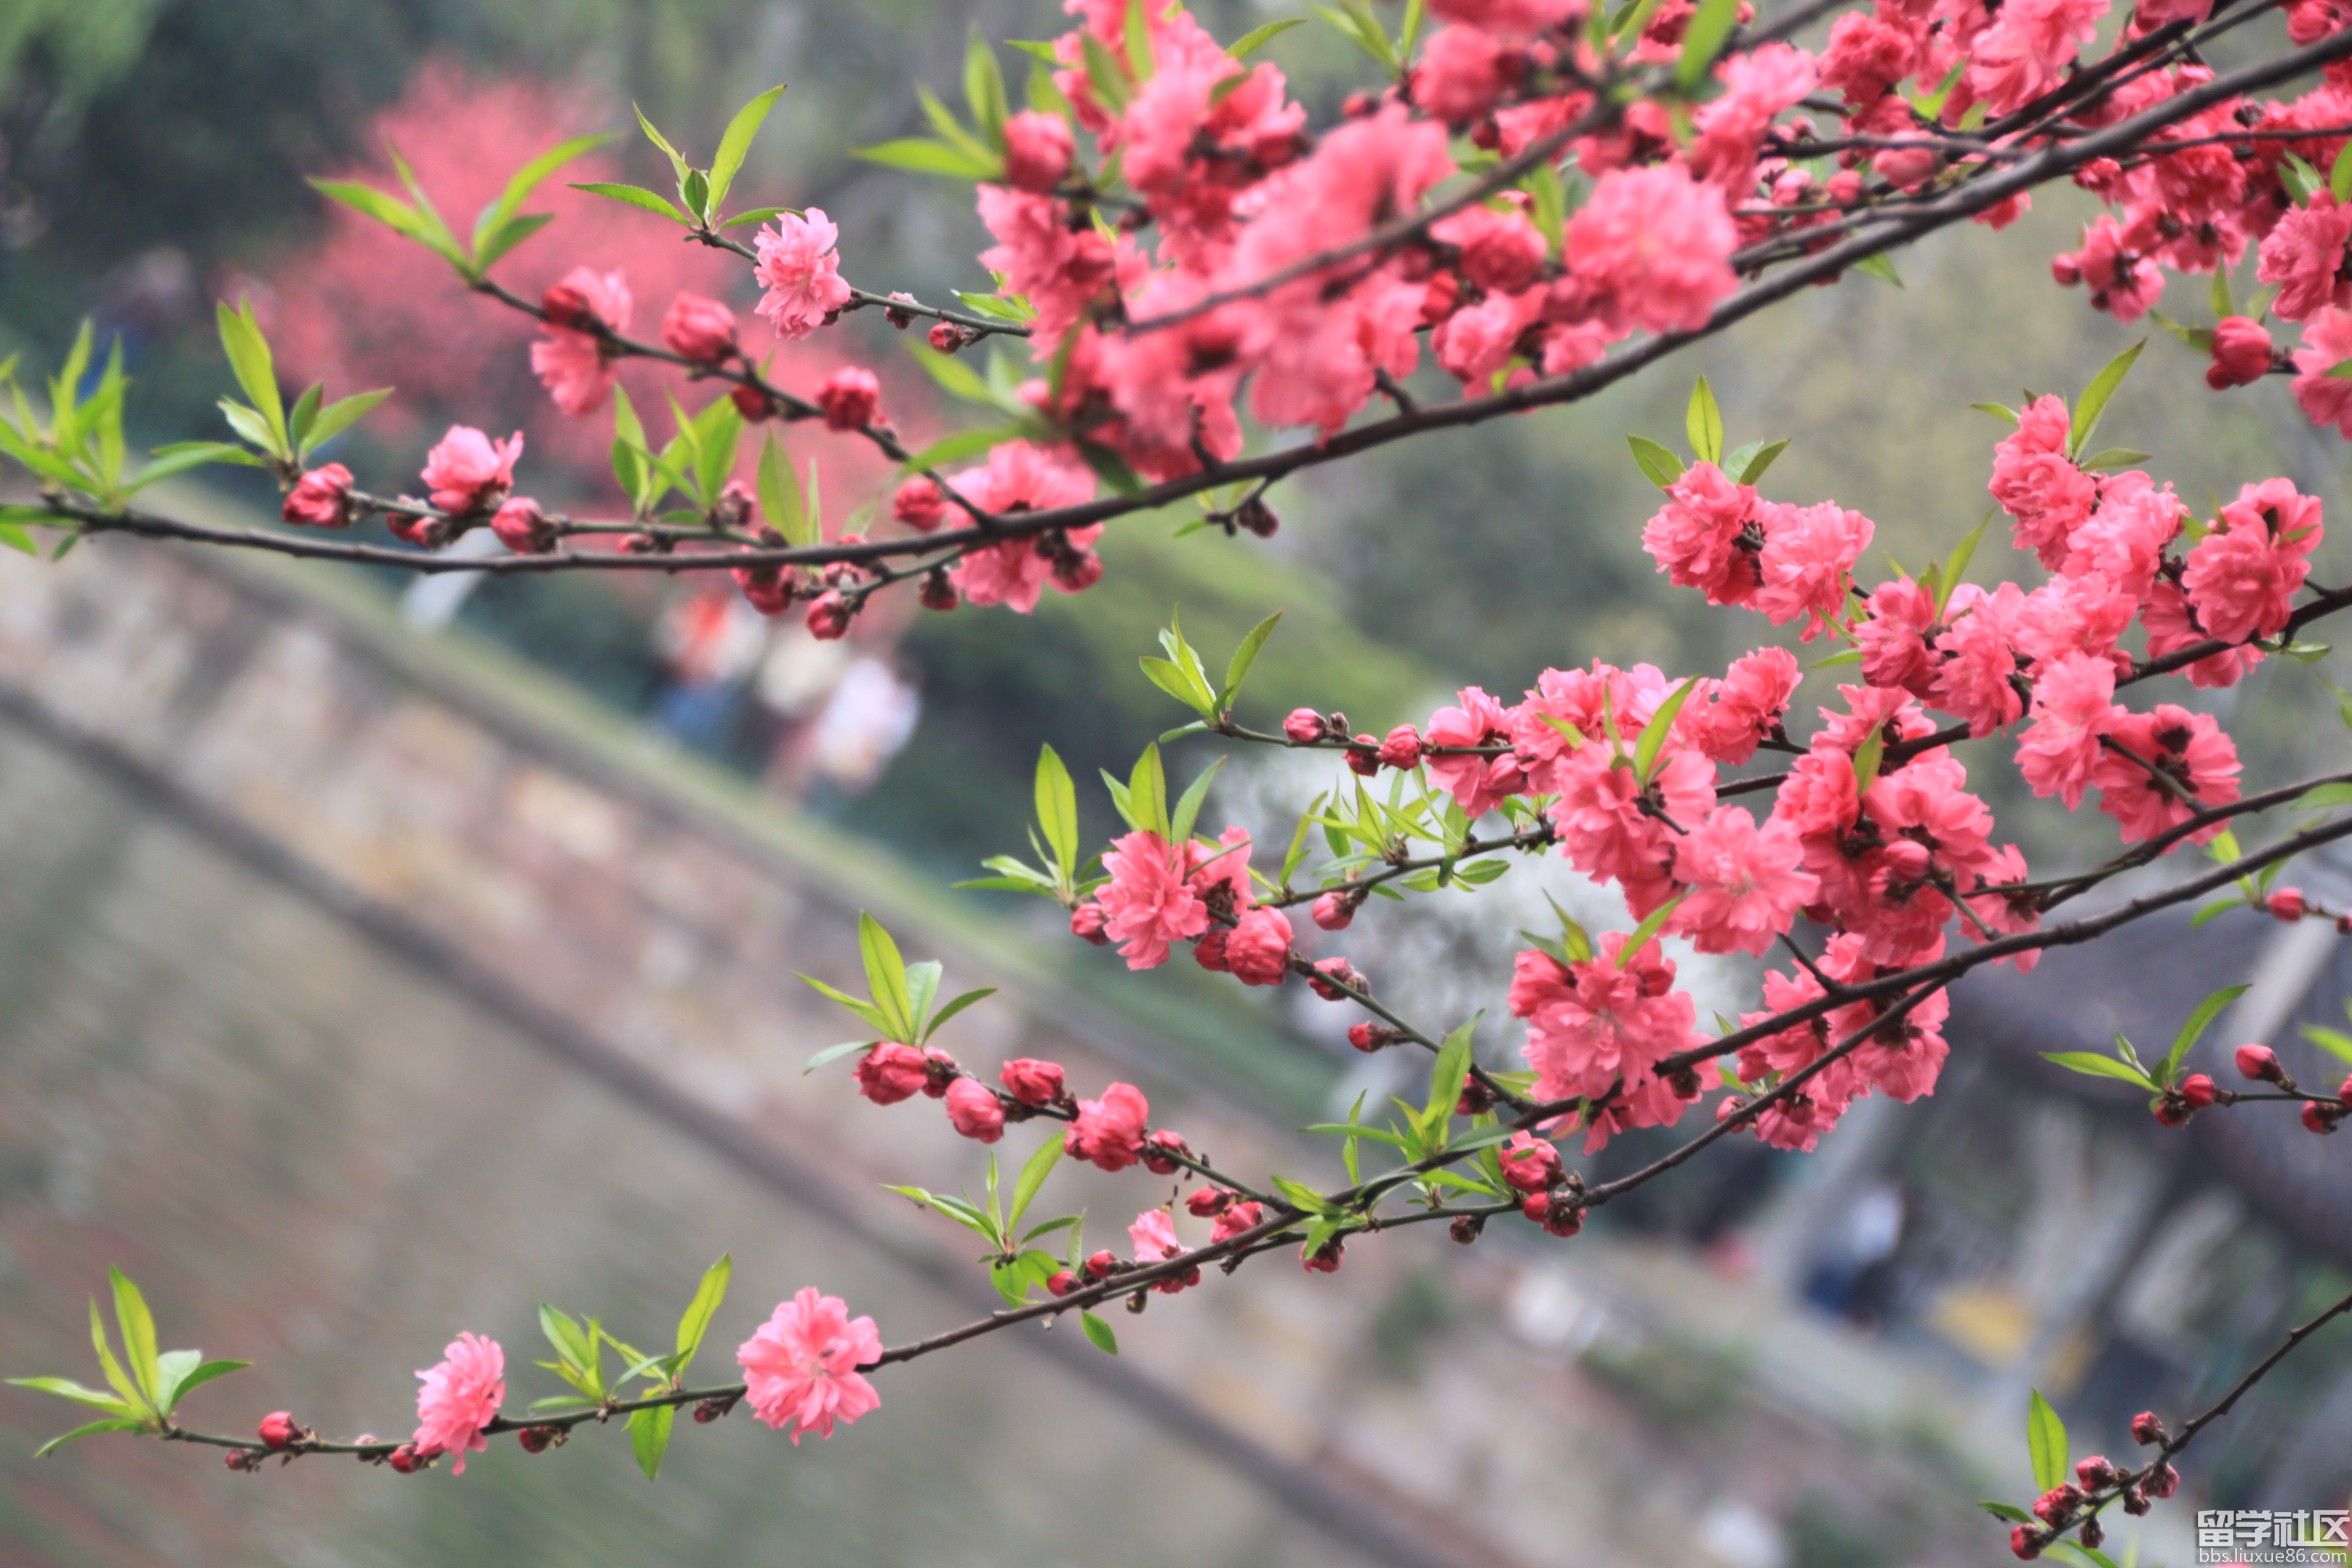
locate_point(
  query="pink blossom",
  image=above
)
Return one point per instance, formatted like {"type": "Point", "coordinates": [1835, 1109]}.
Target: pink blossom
{"type": "Point", "coordinates": [2123, 281]}
{"type": "Point", "coordinates": [1462, 74]}
{"type": "Point", "coordinates": [1021, 477]}
{"type": "Point", "coordinates": [2072, 699]}
{"type": "Point", "coordinates": [1478, 784]}
{"type": "Point", "coordinates": [1809, 554]}
{"type": "Point", "coordinates": [974, 1110]}
{"type": "Point", "coordinates": [1654, 245]}
{"type": "Point", "coordinates": [1148, 902]}
{"type": "Point", "coordinates": [699, 328]}
{"type": "Point", "coordinates": [1038, 150]}
{"type": "Point", "coordinates": [1707, 535]}
{"type": "Point", "coordinates": [1153, 1236]}
{"type": "Point", "coordinates": [1744, 885]}
{"type": "Point", "coordinates": [800, 1367]}
{"type": "Point", "coordinates": [1978, 670]}
{"type": "Point", "coordinates": [800, 271]}
{"type": "Point", "coordinates": [459, 1397]}
{"type": "Point", "coordinates": [1734, 716]}
{"type": "Point", "coordinates": [467, 472]}
{"type": "Point", "coordinates": [2242, 577]}
{"type": "Point", "coordinates": [2172, 629]}
{"type": "Point", "coordinates": [1258, 947]}
{"type": "Point", "coordinates": [1593, 1024]}
{"type": "Point", "coordinates": [571, 363]}
{"type": "Point", "coordinates": [2327, 343]}
{"type": "Point", "coordinates": [1235, 1219]}
{"type": "Point", "coordinates": [321, 499]}
{"type": "Point", "coordinates": [1893, 637]}
{"type": "Point", "coordinates": [1866, 55]}
{"type": "Point", "coordinates": [1610, 826]}
{"type": "Point", "coordinates": [2036, 483]}
{"type": "Point", "coordinates": [522, 527]}
{"type": "Point", "coordinates": [1512, 18]}
{"type": "Point", "coordinates": [1530, 1164]}
{"type": "Point", "coordinates": [1109, 1131]}
{"type": "Point", "coordinates": [2304, 255]}
{"type": "Point", "coordinates": [2028, 49]}
{"type": "Point", "coordinates": [1757, 85]}
{"type": "Point", "coordinates": [2189, 748]}
{"type": "Point", "coordinates": [1057, 269]}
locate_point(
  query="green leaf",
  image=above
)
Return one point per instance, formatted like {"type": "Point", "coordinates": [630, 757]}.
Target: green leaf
{"type": "Point", "coordinates": [496, 219]}
{"type": "Point", "coordinates": [735, 141]}
{"type": "Point", "coordinates": [637, 196]}
{"type": "Point", "coordinates": [1880, 267]}
{"type": "Point", "coordinates": [2045, 1440]}
{"type": "Point", "coordinates": [707, 1296]}
{"type": "Point", "coordinates": [1188, 804]}
{"type": "Point", "coordinates": [2198, 1022]}
{"type": "Point", "coordinates": [1703, 421]}
{"type": "Point", "coordinates": [1710, 27]}
{"type": "Point", "coordinates": [249, 358]}
{"type": "Point", "coordinates": [340, 416]}
{"type": "Point", "coordinates": [92, 1430]}
{"type": "Point", "coordinates": [1648, 929]}
{"type": "Point", "coordinates": [1238, 667]}
{"type": "Point", "coordinates": [184, 1377]}
{"type": "Point", "coordinates": [955, 1007]}
{"type": "Point", "coordinates": [1057, 812]}
{"type": "Point", "coordinates": [954, 376]}
{"type": "Point", "coordinates": [1137, 36]}
{"type": "Point", "coordinates": [571, 1342]}
{"type": "Point", "coordinates": [1033, 1173]}
{"type": "Point", "coordinates": [886, 976]}
{"type": "Point", "coordinates": [2333, 1041]}
{"type": "Point", "coordinates": [649, 1436]}
{"type": "Point", "coordinates": [2323, 797]}
{"type": "Point", "coordinates": [1257, 38]}
{"type": "Point", "coordinates": [984, 89]}
{"type": "Point", "coordinates": [2097, 395]}
{"type": "Point", "coordinates": [1658, 462]}
{"type": "Point", "coordinates": [1304, 1198]}
{"type": "Point", "coordinates": [138, 1332]}
{"type": "Point", "coordinates": [677, 159]}
{"type": "Point", "coordinates": [1447, 1075]}
{"type": "Point", "coordinates": [1098, 1333]}
{"type": "Point", "coordinates": [2092, 1065]}
{"type": "Point", "coordinates": [67, 1388]}
{"type": "Point", "coordinates": [1746, 464]}
{"type": "Point", "coordinates": [500, 242]}
{"type": "Point", "coordinates": [1957, 563]}
{"type": "Point", "coordinates": [2007, 1511]}
{"type": "Point", "coordinates": [1653, 736]}
{"type": "Point", "coordinates": [1172, 678]}
{"type": "Point", "coordinates": [1869, 757]}
{"type": "Point", "coordinates": [1147, 793]}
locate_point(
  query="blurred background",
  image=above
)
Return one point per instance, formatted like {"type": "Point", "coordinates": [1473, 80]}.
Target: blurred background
{"type": "Point", "coordinates": [377, 960]}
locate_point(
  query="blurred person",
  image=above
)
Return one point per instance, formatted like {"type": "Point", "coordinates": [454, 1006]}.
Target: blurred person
{"type": "Point", "coordinates": [709, 642]}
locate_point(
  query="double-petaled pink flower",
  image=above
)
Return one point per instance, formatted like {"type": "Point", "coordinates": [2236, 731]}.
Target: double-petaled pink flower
{"type": "Point", "coordinates": [800, 1367]}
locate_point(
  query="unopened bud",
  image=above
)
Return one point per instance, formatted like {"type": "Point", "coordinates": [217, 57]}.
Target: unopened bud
{"type": "Point", "coordinates": [2146, 1429]}
{"type": "Point", "coordinates": [279, 1430]}
{"type": "Point", "coordinates": [1467, 1228]}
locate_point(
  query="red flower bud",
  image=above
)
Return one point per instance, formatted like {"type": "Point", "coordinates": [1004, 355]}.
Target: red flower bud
{"type": "Point", "coordinates": [322, 499]}
{"type": "Point", "coordinates": [1031, 1081]}
{"type": "Point", "coordinates": [1402, 748]}
{"type": "Point", "coordinates": [1159, 1151]}
{"type": "Point", "coordinates": [406, 1459]}
{"type": "Point", "coordinates": [828, 616]}
{"type": "Point", "coordinates": [939, 1070]}
{"type": "Point", "coordinates": [1101, 1265]}
{"type": "Point", "coordinates": [279, 1430]}
{"type": "Point", "coordinates": [699, 329]}
{"type": "Point", "coordinates": [851, 398]}
{"type": "Point", "coordinates": [2258, 1062]}
{"type": "Point", "coordinates": [2197, 1090]}
{"type": "Point", "coordinates": [2026, 1541]}
{"type": "Point", "coordinates": [1060, 1282]}
{"type": "Point", "coordinates": [2162, 1483]}
{"type": "Point", "coordinates": [1334, 911]}
{"type": "Point", "coordinates": [937, 592]}
{"type": "Point", "coordinates": [2241, 353]}
{"type": "Point", "coordinates": [1205, 1202]}
{"type": "Point", "coordinates": [2286, 904]}
{"type": "Point", "coordinates": [538, 1439]}
{"type": "Point", "coordinates": [522, 527]}
{"type": "Point", "coordinates": [1331, 974]}
{"type": "Point", "coordinates": [2321, 1116]}
{"type": "Point", "coordinates": [947, 337]}
{"type": "Point", "coordinates": [919, 504]}
{"type": "Point", "coordinates": [1303, 727]}
{"type": "Point", "coordinates": [2146, 1429]}
{"type": "Point", "coordinates": [564, 305]}
{"type": "Point", "coordinates": [753, 404]}
{"type": "Point", "coordinates": [892, 1072]}
{"type": "Point", "coordinates": [1086, 923]}
{"type": "Point", "coordinates": [1364, 756]}
{"type": "Point", "coordinates": [1324, 1259]}
{"type": "Point", "coordinates": [2093, 1472]}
